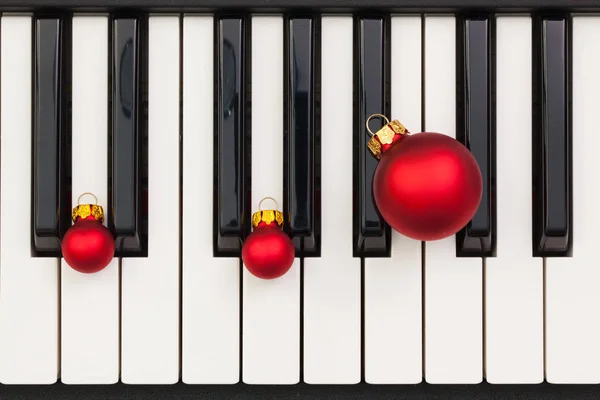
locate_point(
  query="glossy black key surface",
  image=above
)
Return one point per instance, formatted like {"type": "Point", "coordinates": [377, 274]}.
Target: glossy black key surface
{"type": "Point", "coordinates": [51, 131]}
{"type": "Point", "coordinates": [551, 136]}
{"type": "Point", "coordinates": [231, 65]}
{"type": "Point", "coordinates": [371, 233]}
{"type": "Point", "coordinates": [300, 133]}
{"type": "Point", "coordinates": [476, 125]}
{"type": "Point", "coordinates": [126, 161]}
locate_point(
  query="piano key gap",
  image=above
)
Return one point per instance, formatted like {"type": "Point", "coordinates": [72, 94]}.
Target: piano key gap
{"type": "Point", "coordinates": [362, 320]}
{"type": "Point", "coordinates": [483, 317]}
{"type": "Point", "coordinates": [423, 244]}
{"type": "Point", "coordinates": [180, 214]}
{"type": "Point", "coordinates": [544, 315]}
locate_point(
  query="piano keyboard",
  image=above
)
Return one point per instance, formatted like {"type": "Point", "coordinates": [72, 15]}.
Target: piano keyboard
{"type": "Point", "coordinates": [181, 123]}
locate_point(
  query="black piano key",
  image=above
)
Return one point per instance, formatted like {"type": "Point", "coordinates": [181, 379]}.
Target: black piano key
{"type": "Point", "coordinates": [551, 136]}
{"type": "Point", "coordinates": [125, 185]}
{"type": "Point", "coordinates": [371, 233]}
{"type": "Point", "coordinates": [300, 132]}
{"type": "Point", "coordinates": [51, 134]}
{"type": "Point", "coordinates": [231, 152]}
{"type": "Point", "coordinates": [476, 125]}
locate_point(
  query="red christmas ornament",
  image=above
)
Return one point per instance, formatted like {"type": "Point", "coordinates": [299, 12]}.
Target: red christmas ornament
{"type": "Point", "coordinates": [427, 186]}
{"type": "Point", "coordinates": [88, 246]}
{"type": "Point", "coordinates": [268, 252]}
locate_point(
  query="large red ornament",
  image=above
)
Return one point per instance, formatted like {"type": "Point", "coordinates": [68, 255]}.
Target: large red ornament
{"type": "Point", "coordinates": [88, 246]}
{"type": "Point", "coordinates": [427, 186]}
{"type": "Point", "coordinates": [268, 253]}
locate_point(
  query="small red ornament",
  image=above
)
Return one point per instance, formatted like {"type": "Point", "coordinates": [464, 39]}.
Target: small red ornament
{"type": "Point", "coordinates": [427, 186]}
{"type": "Point", "coordinates": [88, 246]}
{"type": "Point", "coordinates": [268, 253]}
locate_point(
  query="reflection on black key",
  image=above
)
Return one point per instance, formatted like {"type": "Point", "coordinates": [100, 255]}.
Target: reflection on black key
{"type": "Point", "coordinates": [232, 208]}
{"type": "Point", "coordinates": [476, 126]}
{"type": "Point", "coordinates": [51, 131]}
{"type": "Point", "coordinates": [371, 233]}
{"type": "Point", "coordinates": [300, 132]}
{"type": "Point", "coordinates": [126, 161]}
{"type": "Point", "coordinates": [551, 137]}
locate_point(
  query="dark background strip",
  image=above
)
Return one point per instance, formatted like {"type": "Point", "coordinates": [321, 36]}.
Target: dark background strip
{"type": "Point", "coordinates": [414, 5]}
{"type": "Point", "coordinates": [181, 391]}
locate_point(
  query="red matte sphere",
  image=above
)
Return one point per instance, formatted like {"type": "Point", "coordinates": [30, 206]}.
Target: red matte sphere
{"type": "Point", "coordinates": [268, 252]}
{"type": "Point", "coordinates": [88, 246]}
{"type": "Point", "coordinates": [427, 186]}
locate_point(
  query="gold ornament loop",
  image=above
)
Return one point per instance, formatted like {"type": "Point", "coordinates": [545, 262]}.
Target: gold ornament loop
{"type": "Point", "coordinates": [267, 216]}
{"type": "Point", "coordinates": [88, 193]}
{"type": "Point", "coordinates": [85, 210]}
{"type": "Point", "coordinates": [387, 121]}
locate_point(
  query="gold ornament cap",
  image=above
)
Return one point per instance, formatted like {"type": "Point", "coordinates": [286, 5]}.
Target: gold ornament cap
{"type": "Point", "coordinates": [267, 216]}
{"type": "Point", "coordinates": [85, 210]}
{"type": "Point", "coordinates": [385, 134]}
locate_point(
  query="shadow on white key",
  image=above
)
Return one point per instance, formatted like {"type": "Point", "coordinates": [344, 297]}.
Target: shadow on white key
{"type": "Point", "coordinates": [150, 286]}
{"type": "Point", "coordinates": [332, 283]}
{"type": "Point", "coordinates": [271, 308]}
{"type": "Point", "coordinates": [572, 294]}
{"type": "Point", "coordinates": [393, 326]}
{"type": "Point", "coordinates": [514, 278]}
{"type": "Point", "coordinates": [453, 286]}
{"type": "Point", "coordinates": [211, 320]}
{"type": "Point", "coordinates": [90, 302]}
{"type": "Point", "coordinates": [29, 296]}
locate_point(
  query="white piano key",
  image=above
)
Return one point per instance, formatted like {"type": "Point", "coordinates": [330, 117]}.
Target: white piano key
{"type": "Point", "coordinates": [271, 316]}
{"type": "Point", "coordinates": [332, 282]}
{"type": "Point", "coordinates": [572, 295]}
{"type": "Point", "coordinates": [150, 286]}
{"type": "Point", "coordinates": [211, 297]}
{"type": "Point", "coordinates": [453, 286]}
{"type": "Point", "coordinates": [29, 313]}
{"type": "Point", "coordinates": [90, 302]}
{"type": "Point", "coordinates": [514, 329]}
{"type": "Point", "coordinates": [393, 326]}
